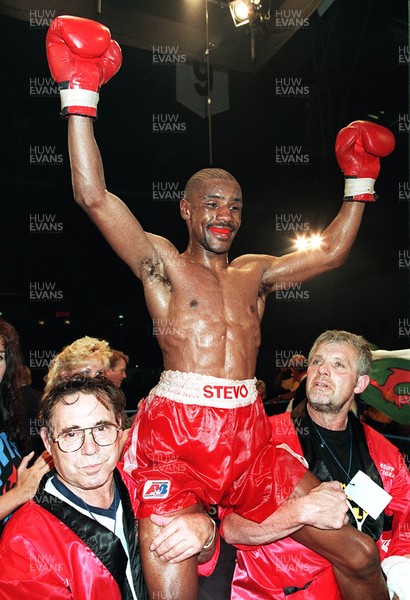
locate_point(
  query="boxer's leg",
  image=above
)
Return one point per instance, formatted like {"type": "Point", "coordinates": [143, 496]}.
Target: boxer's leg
{"type": "Point", "coordinates": [167, 581]}
{"type": "Point", "coordinates": [354, 555]}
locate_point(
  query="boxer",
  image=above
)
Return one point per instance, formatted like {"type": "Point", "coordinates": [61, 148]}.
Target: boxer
{"type": "Point", "coordinates": [202, 434]}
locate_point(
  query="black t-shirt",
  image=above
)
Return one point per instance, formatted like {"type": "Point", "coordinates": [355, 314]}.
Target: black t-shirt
{"type": "Point", "coordinates": [339, 451]}
{"type": "Point", "coordinates": [328, 454]}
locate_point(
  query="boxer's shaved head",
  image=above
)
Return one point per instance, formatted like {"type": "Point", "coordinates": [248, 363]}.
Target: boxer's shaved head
{"type": "Point", "coordinates": [202, 177]}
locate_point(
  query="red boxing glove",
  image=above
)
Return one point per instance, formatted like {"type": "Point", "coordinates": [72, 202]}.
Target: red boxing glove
{"type": "Point", "coordinates": [82, 57]}
{"type": "Point", "coordinates": [358, 148]}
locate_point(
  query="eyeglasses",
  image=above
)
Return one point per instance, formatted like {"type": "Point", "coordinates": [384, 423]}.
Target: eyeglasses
{"type": "Point", "coordinates": [104, 434]}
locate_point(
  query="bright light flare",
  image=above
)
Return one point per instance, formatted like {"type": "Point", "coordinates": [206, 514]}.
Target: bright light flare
{"type": "Point", "coordinates": [315, 241]}
{"type": "Point", "coordinates": [301, 243]}
{"type": "Point", "coordinates": [308, 243]}
{"type": "Point", "coordinates": [241, 11]}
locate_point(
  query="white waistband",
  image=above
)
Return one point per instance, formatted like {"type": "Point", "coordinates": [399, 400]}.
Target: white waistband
{"type": "Point", "coordinates": [192, 388]}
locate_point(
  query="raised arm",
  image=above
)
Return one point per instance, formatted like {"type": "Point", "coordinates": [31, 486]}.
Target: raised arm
{"type": "Point", "coordinates": [359, 147]}
{"type": "Point", "coordinates": [112, 217]}
{"type": "Point", "coordinates": [82, 57]}
{"type": "Point", "coordinates": [336, 241]}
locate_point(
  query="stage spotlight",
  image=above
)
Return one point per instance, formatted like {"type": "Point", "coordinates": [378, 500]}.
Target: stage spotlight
{"type": "Point", "coordinates": [241, 11]}
{"type": "Point", "coordinates": [249, 11]}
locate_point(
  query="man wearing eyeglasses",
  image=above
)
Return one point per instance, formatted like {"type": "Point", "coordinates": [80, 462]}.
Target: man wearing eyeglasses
{"type": "Point", "coordinates": [78, 538]}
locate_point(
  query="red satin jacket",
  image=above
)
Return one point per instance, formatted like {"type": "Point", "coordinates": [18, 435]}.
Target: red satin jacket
{"type": "Point", "coordinates": [42, 558]}
{"type": "Point", "coordinates": [264, 572]}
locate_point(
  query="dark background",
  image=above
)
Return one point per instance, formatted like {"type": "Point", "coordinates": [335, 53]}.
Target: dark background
{"type": "Point", "coordinates": [349, 58]}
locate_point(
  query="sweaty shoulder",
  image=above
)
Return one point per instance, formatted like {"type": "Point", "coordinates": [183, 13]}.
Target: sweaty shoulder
{"type": "Point", "coordinates": [259, 264]}
{"type": "Point", "coordinates": [257, 261]}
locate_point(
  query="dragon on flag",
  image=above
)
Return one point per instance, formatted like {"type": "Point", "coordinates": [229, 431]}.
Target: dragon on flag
{"type": "Point", "coordinates": [389, 387]}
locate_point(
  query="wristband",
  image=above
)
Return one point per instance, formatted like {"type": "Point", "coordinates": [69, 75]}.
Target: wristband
{"type": "Point", "coordinates": [357, 186]}
{"type": "Point", "coordinates": [397, 571]}
{"type": "Point", "coordinates": [78, 97]}
{"type": "Point", "coordinates": [209, 544]}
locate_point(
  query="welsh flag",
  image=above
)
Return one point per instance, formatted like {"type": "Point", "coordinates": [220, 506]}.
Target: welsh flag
{"type": "Point", "coordinates": [389, 387]}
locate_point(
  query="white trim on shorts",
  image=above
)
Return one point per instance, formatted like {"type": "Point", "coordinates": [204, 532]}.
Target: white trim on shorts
{"type": "Point", "coordinates": [203, 390]}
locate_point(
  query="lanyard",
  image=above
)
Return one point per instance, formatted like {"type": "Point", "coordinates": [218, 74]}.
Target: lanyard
{"type": "Point", "coordinates": [323, 444]}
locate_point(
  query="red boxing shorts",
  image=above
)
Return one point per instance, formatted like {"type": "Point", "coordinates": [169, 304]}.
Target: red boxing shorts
{"type": "Point", "coordinates": [208, 440]}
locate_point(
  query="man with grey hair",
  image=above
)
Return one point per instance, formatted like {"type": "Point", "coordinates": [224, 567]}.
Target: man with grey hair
{"type": "Point", "coordinates": [337, 447]}
{"type": "Point", "coordinates": [364, 358]}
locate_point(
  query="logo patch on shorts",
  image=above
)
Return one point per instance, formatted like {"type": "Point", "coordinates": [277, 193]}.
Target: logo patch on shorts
{"type": "Point", "coordinates": [156, 489]}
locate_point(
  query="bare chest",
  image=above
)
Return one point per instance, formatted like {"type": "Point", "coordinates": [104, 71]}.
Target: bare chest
{"type": "Point", "coordinates": [232, 293]}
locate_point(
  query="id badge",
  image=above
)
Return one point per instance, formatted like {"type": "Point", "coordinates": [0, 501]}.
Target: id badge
{"type": "Point", "coordinates": [367, 494]}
